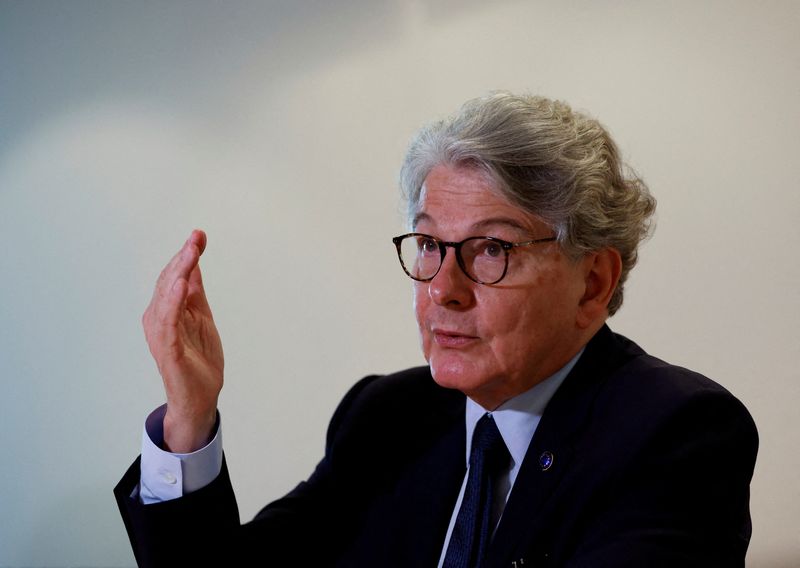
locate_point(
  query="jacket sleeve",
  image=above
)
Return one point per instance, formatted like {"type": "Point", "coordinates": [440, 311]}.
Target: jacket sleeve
{"type": "Point", "coordinates": [203, 527]}
{"type": "Point", "coordinates": [180, 530]}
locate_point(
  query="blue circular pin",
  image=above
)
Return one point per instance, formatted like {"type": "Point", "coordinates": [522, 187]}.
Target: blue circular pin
{"type": "Point", "coordinates": [546, 460]}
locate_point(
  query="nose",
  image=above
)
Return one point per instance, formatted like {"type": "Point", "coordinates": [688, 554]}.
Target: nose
{"type": "Point", "coordinates": [451, 287]}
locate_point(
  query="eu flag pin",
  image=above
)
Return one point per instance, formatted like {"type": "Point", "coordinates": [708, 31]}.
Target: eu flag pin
{"type": "Point", "coordinates": [546, 460]}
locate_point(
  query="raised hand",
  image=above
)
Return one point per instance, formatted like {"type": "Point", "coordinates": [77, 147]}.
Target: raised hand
{"type": "Point", "coordinates": [184, 341]}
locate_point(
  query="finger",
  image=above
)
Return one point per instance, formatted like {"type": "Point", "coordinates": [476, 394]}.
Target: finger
{"type": "Point", "coordinates": [199, 238]}
{"type": "Point", "coordinates": [197, 292]}
{"type": "Point", "coordinates": [162, 321]}
{"type": "Point", "coordinates": [164, 338]}
{"type": "Point", "coordinates": [195, 279]}
{"type": "Point", "coordinates": [188, 258]}
{"type": "Point", "coordinates": [175, 306]}
{"type": "Point", "coordinates": [180, 266]}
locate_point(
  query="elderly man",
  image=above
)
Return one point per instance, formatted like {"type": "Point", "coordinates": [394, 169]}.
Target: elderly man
{"type": "Point", "coordinates": [534, 437]}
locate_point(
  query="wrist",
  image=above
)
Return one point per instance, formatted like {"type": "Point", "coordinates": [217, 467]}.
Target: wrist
{"type": "Point", "coordinates": [187, 434]}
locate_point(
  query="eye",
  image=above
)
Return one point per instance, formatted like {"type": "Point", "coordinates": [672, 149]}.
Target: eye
{"type": "Point", "coordinates": [427, 245]}
{"type": "Point", "coordinates": [491, 249]}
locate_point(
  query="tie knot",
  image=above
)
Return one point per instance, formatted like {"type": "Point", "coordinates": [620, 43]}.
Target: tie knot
{"type": "Point", "coordinates": [488, 445]}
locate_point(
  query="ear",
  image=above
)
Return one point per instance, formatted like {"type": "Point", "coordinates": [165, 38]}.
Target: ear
{"type": "Point", "coordinates": [601, 270]}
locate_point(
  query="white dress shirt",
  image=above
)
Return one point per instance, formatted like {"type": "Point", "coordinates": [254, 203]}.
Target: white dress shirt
{"type": "Point", "coordinates": [517, 420]}
{"type": "Point", "coordinates": [165, 475]}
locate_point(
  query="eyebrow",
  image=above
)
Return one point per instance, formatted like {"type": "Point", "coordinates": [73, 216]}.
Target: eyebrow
{"type": "Point", "coordinates": [503, 222]}
{"type": "Point", "coordinates": [420, 217]}
{"type": "Point", "coordinates": [480, 225]}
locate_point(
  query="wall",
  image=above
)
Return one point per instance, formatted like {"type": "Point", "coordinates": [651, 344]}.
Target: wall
{"type": "Point", "coordinates": [279, 128]}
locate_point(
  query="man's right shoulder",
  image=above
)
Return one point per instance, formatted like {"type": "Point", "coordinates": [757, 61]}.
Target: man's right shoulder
{"type": "Point", "coordinates": [413, 387]}
{"type": "Point", "coordinates": [384, 403]}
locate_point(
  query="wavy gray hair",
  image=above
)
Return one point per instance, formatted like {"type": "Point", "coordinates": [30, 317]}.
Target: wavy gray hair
{"type": "Point", "coordinates": [553, 162]}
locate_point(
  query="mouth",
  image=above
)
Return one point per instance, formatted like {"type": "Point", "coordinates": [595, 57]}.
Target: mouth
{"type": "Point", "coordinates": [452, 339]}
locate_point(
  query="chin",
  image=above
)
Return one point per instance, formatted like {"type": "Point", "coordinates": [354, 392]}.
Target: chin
{"type": "Point", "coordinates": [453, 372]}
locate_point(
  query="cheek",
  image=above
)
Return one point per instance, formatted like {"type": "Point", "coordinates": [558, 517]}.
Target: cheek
{"type": "Point", "coordinates": [514, 319]}
{"type": "Point", "coordinates": [420, 299]}
{"type": "Point", "coordinates": [509, 312]}
{"type": "Point", "coordinates": [421, 302]}
{"type": "Point", "coordinates": [509, 332]}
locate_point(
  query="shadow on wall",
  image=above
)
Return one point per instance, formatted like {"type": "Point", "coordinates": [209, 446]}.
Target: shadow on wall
{"type": "Point", "coordinates": [68, 53]}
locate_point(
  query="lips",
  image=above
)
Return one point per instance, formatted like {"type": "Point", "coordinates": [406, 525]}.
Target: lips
{"type": "Point", "coordinates": [452, 339]}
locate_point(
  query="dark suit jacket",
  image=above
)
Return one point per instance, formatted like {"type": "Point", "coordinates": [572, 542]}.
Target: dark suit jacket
{"type": "Point", "coordinates": [651, 467]}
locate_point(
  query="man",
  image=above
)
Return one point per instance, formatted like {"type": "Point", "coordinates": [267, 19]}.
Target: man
{"type": "Point", "coordinates": [572, 447]}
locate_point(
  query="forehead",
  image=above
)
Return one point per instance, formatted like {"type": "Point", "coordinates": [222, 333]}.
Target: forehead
{"type": "Point", "coordinates": [461, 198]}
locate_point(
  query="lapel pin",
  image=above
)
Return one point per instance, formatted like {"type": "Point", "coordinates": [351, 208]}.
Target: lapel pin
{"type": "Point", "coordinates": [546, 460]}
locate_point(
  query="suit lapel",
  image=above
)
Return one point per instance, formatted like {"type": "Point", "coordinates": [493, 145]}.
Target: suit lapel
{"type": "Point", "coordinates": [423, 499]}
{"type": "Point", "coordinates": [551, 450]}
{"type": "Point", "coordinates": [432, 501]}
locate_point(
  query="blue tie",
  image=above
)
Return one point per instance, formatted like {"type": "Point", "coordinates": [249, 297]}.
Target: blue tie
{"type": "Point", "coordinates": [472, 531]}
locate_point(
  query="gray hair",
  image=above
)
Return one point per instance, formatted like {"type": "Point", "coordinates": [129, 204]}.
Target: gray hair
{"type": "Point", "coordinates": [553, 162]}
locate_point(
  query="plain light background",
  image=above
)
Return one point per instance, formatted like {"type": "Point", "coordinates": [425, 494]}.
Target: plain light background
{"type": "Point", "coordinates": [279, 128]}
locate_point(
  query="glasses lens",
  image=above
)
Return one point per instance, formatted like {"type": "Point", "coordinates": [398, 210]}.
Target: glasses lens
{"type": "Point", "coordinates": [484, 259]}
{"type": "Point", "coordinates": [421, 256]}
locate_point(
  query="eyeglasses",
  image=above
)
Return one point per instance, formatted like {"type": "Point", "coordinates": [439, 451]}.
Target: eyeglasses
{"type": "Point", "coordinates": [483, 259]}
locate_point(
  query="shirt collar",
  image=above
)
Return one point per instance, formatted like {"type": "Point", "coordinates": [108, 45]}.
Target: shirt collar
{"type": "Point", "coordinates": [518, 417]}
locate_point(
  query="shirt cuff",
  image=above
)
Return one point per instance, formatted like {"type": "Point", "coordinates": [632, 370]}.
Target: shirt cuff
{"type": "Point", "coordinates": [165, 475]}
